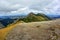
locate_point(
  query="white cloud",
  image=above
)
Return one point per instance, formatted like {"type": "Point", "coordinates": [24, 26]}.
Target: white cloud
{"type": "Point", "coordinates": [53, 8]}
{"type": "Point", "coordinates": [6, 6]}
{"type": "Point", "coordinates": [13, 5]}
{"type": "Point", "coordinates": [21, 6]}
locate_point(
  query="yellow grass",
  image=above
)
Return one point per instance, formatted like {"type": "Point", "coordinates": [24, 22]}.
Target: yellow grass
{"type": "Point", "coordinates": [4, 31]}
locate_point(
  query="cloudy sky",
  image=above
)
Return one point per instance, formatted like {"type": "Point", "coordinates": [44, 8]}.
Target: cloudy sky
{"type": "Point", "coordinates": [16, 7]}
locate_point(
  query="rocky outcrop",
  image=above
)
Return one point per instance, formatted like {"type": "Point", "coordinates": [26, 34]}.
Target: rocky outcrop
{"type": "Point", "coordinates": [1, 26]}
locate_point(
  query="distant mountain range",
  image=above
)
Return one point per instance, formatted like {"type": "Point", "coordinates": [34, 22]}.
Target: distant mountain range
{"type": "Point", "coordinates": [31, 17]}
{"type": "Point", "coordinates": [54, 16]}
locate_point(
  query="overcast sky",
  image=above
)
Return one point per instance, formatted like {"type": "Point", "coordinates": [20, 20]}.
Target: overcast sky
{"type": "Point", "coordinates": [15, 7]}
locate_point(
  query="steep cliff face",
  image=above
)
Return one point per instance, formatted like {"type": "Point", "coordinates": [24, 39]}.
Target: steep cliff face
{"type": "Point", "coordinates": [47, 30]}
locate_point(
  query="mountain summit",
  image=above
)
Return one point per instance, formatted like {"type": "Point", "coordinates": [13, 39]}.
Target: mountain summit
{"type": "Point", "coordinates": [32, 17]}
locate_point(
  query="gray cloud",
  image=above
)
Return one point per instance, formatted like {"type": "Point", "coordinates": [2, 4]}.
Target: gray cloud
{"type": "Point", "coordinates": [13, 5]}
{"type": "Point", "coordinates": [7, 6]}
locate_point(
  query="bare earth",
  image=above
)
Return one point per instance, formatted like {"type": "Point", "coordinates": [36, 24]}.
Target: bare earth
{"type": "Point", "coordinates": [47, 30]}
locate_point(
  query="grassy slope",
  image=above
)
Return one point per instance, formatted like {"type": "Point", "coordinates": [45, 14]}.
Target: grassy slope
{"type": "Point", "coordinates": [35, 17]}
{"type": "Point", "coordinates": [47, 30]}
{"type": "Point", "coordinates": [4, 31]}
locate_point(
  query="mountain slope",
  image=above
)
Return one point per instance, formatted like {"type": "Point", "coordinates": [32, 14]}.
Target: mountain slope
{"type": "Point", "coordinates": [31, 17]}
{"type": "Point", "coordinates": [1, 26]}
{"type": "Point", "coordinates": [48, 30]}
